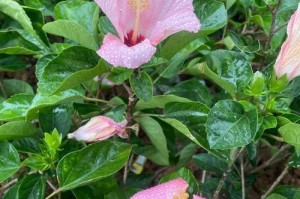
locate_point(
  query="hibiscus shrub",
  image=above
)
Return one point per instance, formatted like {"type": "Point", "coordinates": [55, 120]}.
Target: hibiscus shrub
{"type": "Point", "coordinates": [106, 98]}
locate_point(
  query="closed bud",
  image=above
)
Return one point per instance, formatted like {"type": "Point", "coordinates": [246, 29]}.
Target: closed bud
{"type": "Point", "coordinates": [99, 128]}
{"type": "Point", "coordinates": [257, 85]}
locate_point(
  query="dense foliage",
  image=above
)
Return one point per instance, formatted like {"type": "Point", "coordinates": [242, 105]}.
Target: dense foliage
{"type": "Point", "coordinates": [208, 107]}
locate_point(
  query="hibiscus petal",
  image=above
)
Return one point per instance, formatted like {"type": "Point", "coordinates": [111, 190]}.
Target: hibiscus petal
{"type": "Point", "coordinates": [197, 197]}
{"type": "Point", "coordinates": [120, 15]}
{"type": "Point", "coordinates": [165, 190]}
{"type": "Point", "coordinates": [164, 18]}
{"type": "Point", "coordinates": [118, 54]}
{"type": "Point", "coordinates": [288, 59]}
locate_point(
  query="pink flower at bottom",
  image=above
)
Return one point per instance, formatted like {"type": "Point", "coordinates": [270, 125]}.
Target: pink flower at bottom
{"type": "Point", "coordinates": [141, 25]}
{"type": "Point", "coordinates": [173, 189]}
{"type": "Point", "coordinates": [288, 60]}
{"type": "Point", "coordinates": [99, 128]}
{"type": "Point", "coordinates": [197, 197]}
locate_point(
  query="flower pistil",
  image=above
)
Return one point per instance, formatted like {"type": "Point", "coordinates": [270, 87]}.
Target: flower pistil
{"type": "Point", "coordinates": [137, 6]}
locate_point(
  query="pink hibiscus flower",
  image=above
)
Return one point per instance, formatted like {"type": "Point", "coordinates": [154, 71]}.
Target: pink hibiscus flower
{"type": "Point", "coordinates": [173, 189]}
{"type": "Point", "coordinates": [99, 128]}
{"type": "Point", "coordinates": [141, 25]}
{"type": "Point", "coordinates": [288, 61]}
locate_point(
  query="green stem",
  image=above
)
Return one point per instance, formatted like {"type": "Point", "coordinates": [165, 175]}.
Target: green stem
{"type": "Point", "coordinates": [99, 100]}
{"type": "Point", "coordinates": [279, 139]}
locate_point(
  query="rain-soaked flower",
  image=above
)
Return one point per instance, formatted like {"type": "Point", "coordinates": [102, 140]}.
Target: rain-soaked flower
{"type": "Point", "coordinates": [99, 128]}
{"type": "Point", "coordinates": [288, 61]}
{"type": "Point", "coordinates": [141, 25]}
{"type": "Point", "coordinates": [173, 189]}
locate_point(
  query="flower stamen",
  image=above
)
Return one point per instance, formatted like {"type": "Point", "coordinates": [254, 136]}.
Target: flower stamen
{"type": "Point", "coordinates": [182, 195]}
{"type": "Point", "coordinates": [137, 6]}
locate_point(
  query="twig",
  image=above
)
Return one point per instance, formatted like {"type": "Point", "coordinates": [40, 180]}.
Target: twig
{"type": "Point", "coordinates": [53, 193]}
{"type": "Point", "coordinates": [203, 179]}
{"type": "Point", "coordinates": [203, 176]}
{"type": "Point", "coordinates": [279, 28]}
{"type": "Point", "coordinates": [277, 181]}
{"type": "Point", "coordinates": [126, 169]}
{"type": "Point", "coordinates": [271, 33]}
{"type": "Point", "coordinates": [269, 161]}
{"type": "Point", "coordinates": [7, 185]}
{"type": "Point", "coordinates": [131, 102]}
{"type": "Point", "coordinates": [243, 178]}
{"type": "Point", "coordinates": [225, 174]}
{"type": "Point", "coordinates": [53, 188]}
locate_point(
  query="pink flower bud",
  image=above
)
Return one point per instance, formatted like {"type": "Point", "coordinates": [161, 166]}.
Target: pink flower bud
{"type": "Point", "coordinates": [99, 128]}
{"type": "Point", "coordinates": [288, 61]}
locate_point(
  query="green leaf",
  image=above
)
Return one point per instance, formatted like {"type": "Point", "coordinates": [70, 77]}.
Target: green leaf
{"type": "Point", "coordinates": [15, 86]}
{"type": "Point", "coordinates": [210, 163]}
{"type": "Point", "coordinates": [155, 133]}
{"type": "Point", "coordinates": [233, 67]}
{"type": "Point", "coordinates": [84, 13]}
{"type": "Point", "coordinates": [16, 107]}
{"type": "Point", "coordinates": [151, 153]}
{"type": "Point", "coordinates": [32, 187]}
{"type": "Point", "coordinates": [37, 19]}
{"type": "Point", "coordinates": [11, 63]}
{"type": "Point", "coordinates": [196, 91]}
{"type": "Point", "coordinates": [187, 175]}
{"type": "Point", "coordinates": [72, 31]}
{"type": "Point", "coordinates": [190, 113]}
{"type": "Point", "coordinates": [19, 129]}
{"type": "Point", "coordinates": [42, 63]}
{"type": "Point", "coordinates": [119, 74]}
{"type": "Point", "coordinates": [142, 86]}
{"type": "Point", "coordinates": [186, 154]}
{"type": "Point", "coordinates": [212, 15]}
{"type": "Point", "coordinates": [79, 65]}
{"type": "Point", "coordinates": [57, 117]}
{"type": "Point", "coordinates": [291, 134]}
{"type": "Point", "coordinates": [176, 43]}
{"type": "Point", "coordinates": [288, 191]}
{"type": "Point", "coordinates": [40, 101]}
{"type": "Point", "coordinates": [15, 11]}
{"type": "Point", "coordinates": [204, 69]}
{"type": "Point", "coordinates": [275, 196]}
{"type": "Point", "coordinates": [268, 122]}
{"type": "Point", "coordinates": [185, 131]}
{"type": "Point", "coordinates": [105, 26]}
{"type": "Point", "coordinates": [159, 101]}
{"type": "Point", "coordinates": [44, 5]}
{"type": "Point", "coordinates": [29, 187]}
{"type": "Point", "coordinates": [229, 125]}
{"type": "Point", "coordinates": [177, 60]}
{"type": "Point", "coordinates": [92, 163]}
{"type": "Point", "coordinates": [9, 160]}
{"type": "Point", "coordinates": [292, 89]}
{"type": "Point", "coordinates": [11, 42]}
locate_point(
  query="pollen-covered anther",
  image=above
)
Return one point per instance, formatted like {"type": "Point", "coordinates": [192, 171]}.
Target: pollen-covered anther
{"type": "Point", "coordinates": [138, 4]}
{"type": "Point", "coordinates": [182, 195]}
